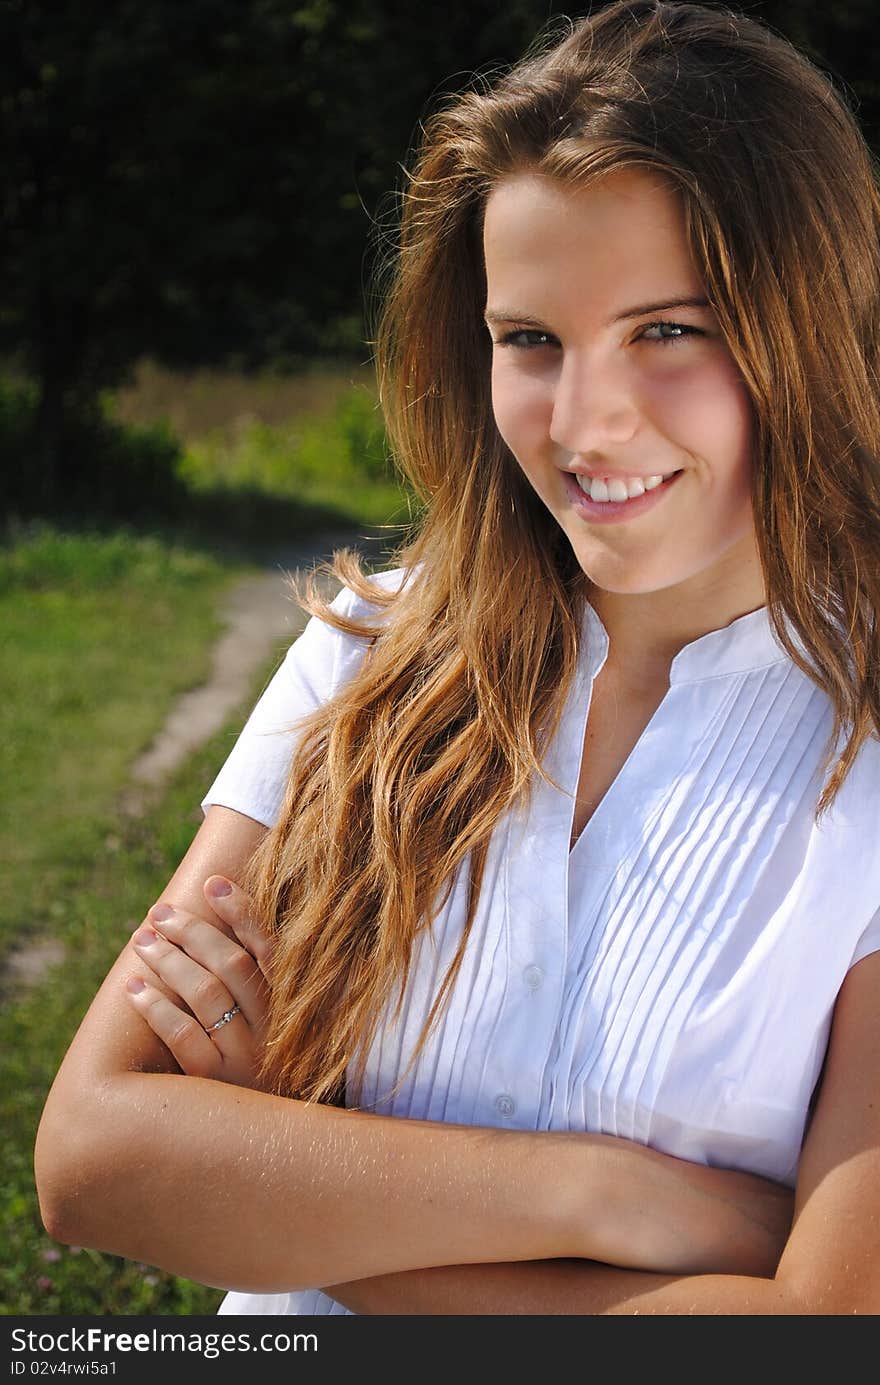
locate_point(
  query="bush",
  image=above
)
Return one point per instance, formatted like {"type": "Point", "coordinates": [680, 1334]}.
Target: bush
{"type": "Point", "coordinates": [104, 469]}
{"type": "Point", "coordinates": [361, 425]}
{"type": "Point", "coordinates": [37, 556]}
{"type": "Point", "coordinates": [246, 482]}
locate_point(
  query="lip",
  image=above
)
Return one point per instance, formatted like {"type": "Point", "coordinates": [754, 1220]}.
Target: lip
{"type": "Point", "coordinates": [615, 511]}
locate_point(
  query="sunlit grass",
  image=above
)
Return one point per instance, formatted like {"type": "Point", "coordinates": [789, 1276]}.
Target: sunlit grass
{"type": "Point", "coordinates": [122, 874]}
{"type": "Point", "coordinates": [199, 402]}
{"type": "Point", "coordinates": [315, 440]}
{"type": "Point", "coordinates": [101, 630]}
{"type": "Point", "coordinates": [99, 634]}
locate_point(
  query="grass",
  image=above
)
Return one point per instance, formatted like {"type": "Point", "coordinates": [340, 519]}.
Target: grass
{"type": "Point", "coordinates": [196, 403]}
{"type": "Point", "coordinates": [256, 460]}
{"type": "Point", "coordinates": [334, 463]}
{"type": "Point", "coordinates": [100, 633]}
{"type": "Point", "coordinates": [103, 626]}
{"type": "Point", "coordinates": [127, 870]}
{"type": "Point", "coordinates": [315, 442]}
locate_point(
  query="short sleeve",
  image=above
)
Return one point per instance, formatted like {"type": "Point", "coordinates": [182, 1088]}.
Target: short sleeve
{"type": "Point", "coordinates": [254, 776]}
{"type": "Point", "coordinates": [869, 941]}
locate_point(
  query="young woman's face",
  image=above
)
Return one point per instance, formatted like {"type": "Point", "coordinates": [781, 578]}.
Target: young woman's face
{"type": "Point", "coordinates": [584, 386]}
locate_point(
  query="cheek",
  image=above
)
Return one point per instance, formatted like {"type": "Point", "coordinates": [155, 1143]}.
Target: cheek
{"type": "Point", "coordinates": [709, 412]}
{"type": "Point", "coordinates": [523, 408]}
{"type": "Point", "coordinates": [735, 442]}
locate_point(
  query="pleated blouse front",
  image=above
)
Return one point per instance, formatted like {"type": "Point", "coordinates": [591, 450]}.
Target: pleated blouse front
{"type": "Point", "coordinates": [671, 979]}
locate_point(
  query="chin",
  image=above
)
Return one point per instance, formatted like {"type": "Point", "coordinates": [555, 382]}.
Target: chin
{"type": "Point", "coordinates": [623, 584]}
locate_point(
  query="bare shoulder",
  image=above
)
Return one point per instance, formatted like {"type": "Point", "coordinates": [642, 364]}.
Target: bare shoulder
{"type": "Point", "coordinates": [832, 1259]}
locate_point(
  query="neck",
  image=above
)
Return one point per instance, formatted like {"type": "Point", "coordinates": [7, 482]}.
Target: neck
{"type": "Point", "coordinates": [647, 629]}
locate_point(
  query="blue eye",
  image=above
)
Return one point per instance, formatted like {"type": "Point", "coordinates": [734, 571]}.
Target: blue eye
{"type": "Point", "coordinates": [510, 339]}
{"type": "Point", "coordinates": [678, 326]}
{"type": "Point", "coordinates": [530, 339]}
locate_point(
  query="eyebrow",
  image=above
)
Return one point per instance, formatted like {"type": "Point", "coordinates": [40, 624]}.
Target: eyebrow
{"type": "Point", "coordinates": [642, 310]}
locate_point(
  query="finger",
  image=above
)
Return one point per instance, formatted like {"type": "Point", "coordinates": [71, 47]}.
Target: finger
{"type": "Point", "coordinates": [209, 971]}
{"type": "Point", "coordinates": [197, 987]}
{"type": "Point", "coordinates": [234, 908]}
{"type": "Point", "coordinates": [193, 1049]}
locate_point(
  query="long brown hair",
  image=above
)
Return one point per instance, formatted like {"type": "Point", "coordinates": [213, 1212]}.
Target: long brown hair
{"type": "Point", "coordinates": [399, 781]}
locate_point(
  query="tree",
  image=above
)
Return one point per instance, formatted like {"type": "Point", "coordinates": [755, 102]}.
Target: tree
{"type": "Point", "coordinates": [182, 180]}
{"type": "Point", "coordinates": [199, 182]}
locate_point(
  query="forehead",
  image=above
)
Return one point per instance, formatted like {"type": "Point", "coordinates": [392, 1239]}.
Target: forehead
{"type": "Point", "coordinates": [626, 229]}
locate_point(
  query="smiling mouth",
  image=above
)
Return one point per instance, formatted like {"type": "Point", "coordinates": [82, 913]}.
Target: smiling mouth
{"type": "Point", "coordinates": [617, 490]}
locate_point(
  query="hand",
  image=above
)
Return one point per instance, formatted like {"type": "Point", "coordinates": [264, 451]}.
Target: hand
{"type": "Point", "coordinates": [739, 1222]}
{"type": "Point", "coordinates": [658, 1212]}
{"type": "Point", "coordinates": [210, 973]}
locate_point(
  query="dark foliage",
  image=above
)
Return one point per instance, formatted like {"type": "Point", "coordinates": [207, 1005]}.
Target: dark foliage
{"type": "Point", "coordinates": [202, 182]}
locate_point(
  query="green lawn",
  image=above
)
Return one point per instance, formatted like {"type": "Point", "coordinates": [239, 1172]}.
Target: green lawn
{"type": "Point", "coordinates": [100, 633]}
{"type": "Point", "coordinates": [315, 441]}
{"type": "Point", "coordinates": [101, 908]}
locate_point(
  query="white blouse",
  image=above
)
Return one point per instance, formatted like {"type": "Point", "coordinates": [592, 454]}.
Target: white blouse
{"type": "Point", "coordinates": [671, 978]}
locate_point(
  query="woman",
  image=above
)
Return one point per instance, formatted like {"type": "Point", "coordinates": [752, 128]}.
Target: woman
{"type": "Point", "coordinates": [554, 866]}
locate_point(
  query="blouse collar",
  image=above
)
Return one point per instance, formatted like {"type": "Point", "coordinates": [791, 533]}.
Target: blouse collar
{"type": "Point", "coordinates": [746, 644]}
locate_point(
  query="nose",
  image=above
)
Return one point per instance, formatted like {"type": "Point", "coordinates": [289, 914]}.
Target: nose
{"type": "Point", "coordinates": [593, 407]}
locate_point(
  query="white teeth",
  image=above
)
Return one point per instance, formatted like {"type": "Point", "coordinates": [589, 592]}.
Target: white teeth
{"type": "Point", "coordinates": [624, 490]}
{"type": "Point", "coordinates": [617, 489]}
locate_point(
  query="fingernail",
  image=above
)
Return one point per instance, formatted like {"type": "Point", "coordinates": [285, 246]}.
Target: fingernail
{"type": "Point", "coordinates": [160, 912]}
{"type": "Point", "coordinates": [218, 887]}
{"type": "Point", "coordinates": [145, 937]}
{"type": "Point", "coordinates": [134, 984]}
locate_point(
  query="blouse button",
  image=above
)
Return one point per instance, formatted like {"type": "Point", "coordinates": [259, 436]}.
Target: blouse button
{"type": "Point", "coordinates": [505, 1105]}
{"type": "Point", "coordinates": [533, 976]}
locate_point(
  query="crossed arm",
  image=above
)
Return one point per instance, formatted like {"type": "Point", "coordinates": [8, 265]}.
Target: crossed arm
{"type": "Point", "coordinates": [241, 1189]}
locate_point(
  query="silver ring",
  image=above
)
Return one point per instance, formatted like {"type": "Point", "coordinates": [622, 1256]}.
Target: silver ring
{"type": "Point", "coordinates": [224, 1019]}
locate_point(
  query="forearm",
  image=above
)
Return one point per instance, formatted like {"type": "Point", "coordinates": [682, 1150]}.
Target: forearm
{"type": "Point", "coordinates": [240, 1189]}
{"type": "Point", "coordinates": [552, 1287]}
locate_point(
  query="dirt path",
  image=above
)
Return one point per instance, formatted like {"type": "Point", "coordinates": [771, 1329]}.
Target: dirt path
{"type": "Point", "coordinates": [260, 618]}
